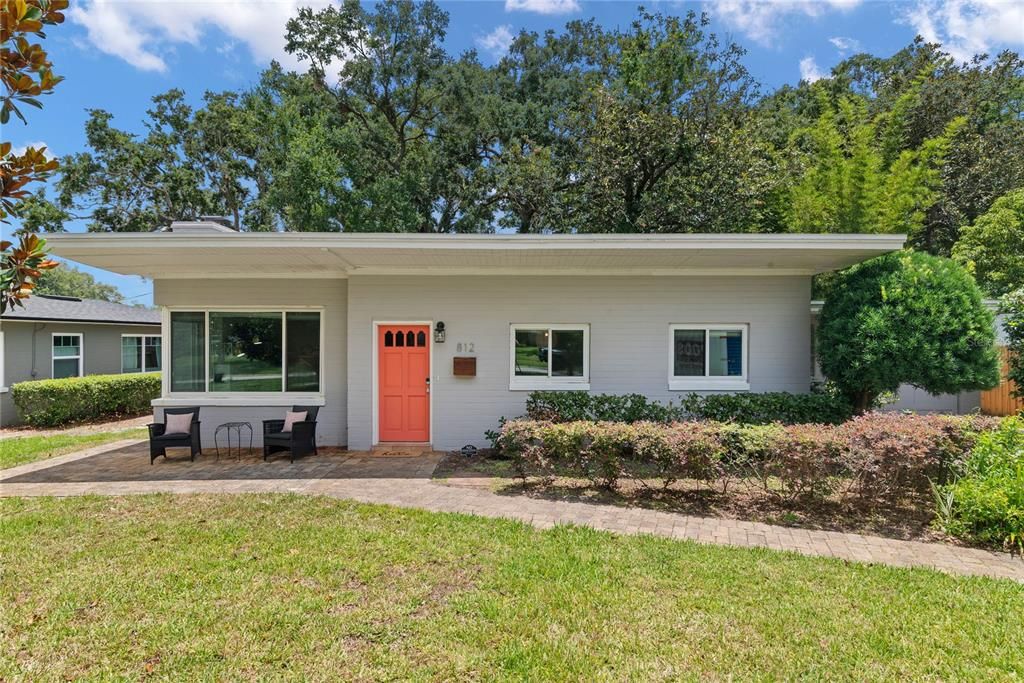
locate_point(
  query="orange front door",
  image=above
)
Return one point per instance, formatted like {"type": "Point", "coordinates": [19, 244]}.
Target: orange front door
{"type": "Point", "coordinates": [403, 377]}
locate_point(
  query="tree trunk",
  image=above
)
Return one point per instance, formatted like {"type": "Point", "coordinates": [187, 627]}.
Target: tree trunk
{"type": "Point", "coordinates": [862, 401]}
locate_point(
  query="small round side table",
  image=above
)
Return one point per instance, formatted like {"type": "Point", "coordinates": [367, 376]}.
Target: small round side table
{"type": "Point", "coordinates": [237, 428]}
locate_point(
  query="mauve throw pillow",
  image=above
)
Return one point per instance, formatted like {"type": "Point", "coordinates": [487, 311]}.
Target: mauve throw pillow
{"type": "Point", "coordinates": [178, 423]}
{"type": "Point", "coordinates": [291, 418]}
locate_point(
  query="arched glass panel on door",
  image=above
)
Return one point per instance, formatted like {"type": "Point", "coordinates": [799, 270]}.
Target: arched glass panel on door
{"type": "Point", "coordinates": [421, 338]}
{"type": "Point", "coordinates": [399, 338]}
{"type": "Point", "coordinates": [410, 339]}
{"type": "Point", "coordinates": [389, 339]}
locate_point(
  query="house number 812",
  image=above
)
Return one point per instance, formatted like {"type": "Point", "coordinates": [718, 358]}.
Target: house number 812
{"type": "Point", "coordinates": [465, 347]}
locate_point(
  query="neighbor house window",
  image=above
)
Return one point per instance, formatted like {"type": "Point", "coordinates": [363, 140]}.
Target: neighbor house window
{"type": "Point", "coordinates": [140, 353]}
{"type": "Point", "coordinates": [550, 357]}
{"type": "Point", "coordinates": [708, 357]}
{"type": "Point", "coordinates": [245, 351]}
{"type": "Point", "coordinates": [67, 355]}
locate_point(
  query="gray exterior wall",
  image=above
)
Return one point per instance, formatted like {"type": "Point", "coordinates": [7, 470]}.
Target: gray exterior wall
{"type": "Point", "coordinates": [629, 321]}
{"type": "Point", "coordinates": [264, 294]}
{"type": "Point", "coordinates": [101, 345]}
{"type": "Point", "coordinates": [920, 401]}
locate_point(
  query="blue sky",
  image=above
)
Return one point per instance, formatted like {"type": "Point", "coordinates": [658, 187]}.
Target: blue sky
{"type": "Point", "coordinates": [116, 54]}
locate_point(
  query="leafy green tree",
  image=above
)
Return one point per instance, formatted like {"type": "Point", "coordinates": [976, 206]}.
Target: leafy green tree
{"type": "Point", "coordinates": [69, 281]}
{"type": "Point", "coordinates": [906, 318]}
{"type": "Point", "coordinates": [850, 181]}
{"type": "Point", "coordinates": [1012, 307]}
{"type": "Point", "coordinates": [26, 75]}
{"type": "Point", "coordinates": [652, 127]}
{"type": "Point", "coordinates": [660, 142]}
{"type": "Point", "coordinates": [396, 99]}
{"type": "Point", "coordinates": [911, 97]}
{"type": "Point", "coordinates": [992, 248]}
{"type": "Point", "coordinates": [131, 183]}
{"type": "Point", "coordinates": [525, 139]}
{"type": "Point", "coordinates": [922, 89]}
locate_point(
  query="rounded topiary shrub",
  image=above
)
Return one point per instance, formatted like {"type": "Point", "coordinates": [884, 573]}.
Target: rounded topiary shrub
{"type": "Point", "coordinates": [906, 318]}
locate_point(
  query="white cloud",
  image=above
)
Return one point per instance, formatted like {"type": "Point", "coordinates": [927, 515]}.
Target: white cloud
{"type": "Point", "coordinates": [543, 6]}
{"type": "Point", "coordinates": [968, 27]}
{"type": "Point", "coordinates": [497, 41]}
{"type": "Point", "coordinates": [810, 71]}
{"type": "Point", "coordinates": [18, 150]}
{"type": "Point", "coordinates": [759, 19]}
{"type": "Point", "coordinates": [228, 49]}
{"type": "Point", "coordinates": [144, 32]}
{"type": "Point", "coordinates": [845, 45]}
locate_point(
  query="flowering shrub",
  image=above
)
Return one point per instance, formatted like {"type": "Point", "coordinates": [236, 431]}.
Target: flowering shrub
{"type": "Point", "coordinates": [798, 461]}
{"type": "Point", "coordinates": [875, 456]}
{"type": "Point", "coordinates": [604, 452]}
{"type": "Point", "coordinates": [886, 453]}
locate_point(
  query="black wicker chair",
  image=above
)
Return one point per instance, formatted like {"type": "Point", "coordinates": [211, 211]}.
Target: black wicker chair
{"type": "Point", "coordinates": [299, 442]}
{"type": "Point", "coordinates": [160, 441]}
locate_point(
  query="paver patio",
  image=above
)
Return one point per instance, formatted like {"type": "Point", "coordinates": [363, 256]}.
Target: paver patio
{"type": "Point", "coordinates": [123, 468]}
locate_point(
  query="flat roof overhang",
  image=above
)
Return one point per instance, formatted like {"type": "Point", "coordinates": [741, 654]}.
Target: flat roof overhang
{"type": "Point", "coordinates": [311, 254]}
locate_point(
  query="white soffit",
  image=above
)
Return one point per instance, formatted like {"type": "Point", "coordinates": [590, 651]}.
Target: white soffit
{"type": "Point", "coordinates": [169, 255]}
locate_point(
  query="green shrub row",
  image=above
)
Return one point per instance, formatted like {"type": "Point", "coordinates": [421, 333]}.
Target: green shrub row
{"type": "Point", "coordinates": [764, 408]}
{"type": "Point", "coordinates": [769, 407]}
{"type": "Point", "coordinates": [985, 503]}
{"type": "Point", "coordinates": [873, 457]}
{"type": "Point", "coordinates": [57, 402]}
{"type": "Point", "coordinates": [573, 406]}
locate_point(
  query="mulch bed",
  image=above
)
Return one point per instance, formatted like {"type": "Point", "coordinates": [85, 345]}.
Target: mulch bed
{"type": "Point", "coordinates": [910, 520]}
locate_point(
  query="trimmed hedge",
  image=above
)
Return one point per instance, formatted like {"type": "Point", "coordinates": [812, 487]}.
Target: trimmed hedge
{"type": "Point", "coordinates": [764, 408]}
{"type": "Point", "coordinates": [872, 457]}
{"type": "Point", "coordinates": [57, 402]}
{"type": "Point", "coordinates": [769, 407]}
{"type": "Point", "coordinates": [573, 406]}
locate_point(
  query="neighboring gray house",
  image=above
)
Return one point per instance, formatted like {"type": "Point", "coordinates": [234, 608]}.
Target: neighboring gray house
{"type": "Point", "coordinates": [433, 338]}
{"type": "Point", "coordinates": [60, 336]}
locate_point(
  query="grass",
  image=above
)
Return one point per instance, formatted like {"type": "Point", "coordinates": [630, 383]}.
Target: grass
{"type": "Point", "coordinates": [289, 587]}
{"type": "Point", "coordinates": [19, 450]}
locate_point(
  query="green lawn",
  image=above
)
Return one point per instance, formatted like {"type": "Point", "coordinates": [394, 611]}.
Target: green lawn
{"type": "Point", "coordinates": [22, 449]}
{"type": "Point", "coordinates": [291, 587]}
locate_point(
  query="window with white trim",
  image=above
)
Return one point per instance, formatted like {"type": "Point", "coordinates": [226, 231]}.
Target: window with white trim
{"type": "Point", "coordinates": [550, 356]}
{"type": "Point", "coordinates": [140, 353]}
{"type": "Point", "coordinates": [67, 356]}
{"type": "Point", "coordinates": [708, 357]}
{"type": "Point", "coordinates": [245, 351]}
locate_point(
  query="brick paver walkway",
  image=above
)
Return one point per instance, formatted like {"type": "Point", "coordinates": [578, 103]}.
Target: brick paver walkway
{"type": "Point", "coordinates": [120, 469]}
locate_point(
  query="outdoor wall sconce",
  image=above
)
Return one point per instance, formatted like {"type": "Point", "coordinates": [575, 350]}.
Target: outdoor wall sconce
{"type": "Point", "coordinates": [439, 333]}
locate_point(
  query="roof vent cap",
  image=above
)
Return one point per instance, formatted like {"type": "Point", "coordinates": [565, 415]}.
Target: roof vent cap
{"type": "Point", "coordinates": [205, 224]}
{"type": "Point", "coordinates": [222, 220]}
